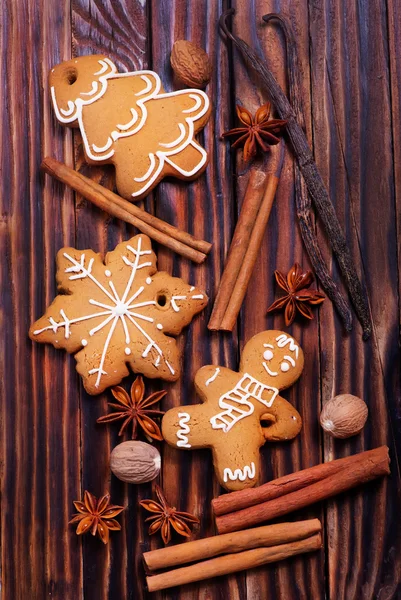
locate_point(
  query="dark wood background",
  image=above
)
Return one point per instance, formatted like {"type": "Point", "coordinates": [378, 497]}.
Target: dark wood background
{"type": "Point", "coordinates": [51, 447]}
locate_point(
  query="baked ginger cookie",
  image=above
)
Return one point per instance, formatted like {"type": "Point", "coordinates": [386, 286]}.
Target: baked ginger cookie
{"type": "Point", "coordinates": [127, 119]}
{"type": "Point", "coordinates": [241, 411]}
{"type": "Point", "coordinates": [116, 313]}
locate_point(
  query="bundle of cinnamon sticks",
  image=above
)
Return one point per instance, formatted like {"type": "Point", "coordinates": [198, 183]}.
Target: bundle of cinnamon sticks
{"type": "Point", "coordinates": [245, 246]}
{"type": "Point", "coordinates": [224, 554]}
{"type": "Point", "coordinates": [252, 506]}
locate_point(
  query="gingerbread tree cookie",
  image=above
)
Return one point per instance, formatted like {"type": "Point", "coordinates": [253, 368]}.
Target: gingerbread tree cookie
{"type": "Point", "coordinates": [127, 119]}
{"type": "Point", "coordinates": [241, 411]}
{"type": "Point", "coordinates": [116, 313]}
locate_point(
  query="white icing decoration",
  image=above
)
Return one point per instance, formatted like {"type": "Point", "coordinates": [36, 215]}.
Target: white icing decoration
{"type": "Point", "coordinates": [148, 85]}
{"type": "Point", "coordinates": [248, 471]}
{"type": "Point", "coordinates": [178, 140]}
{"type": "Point", "coordinates": [285, 367]}
{"type": "Point", "coordinates": [131, 122]}
{"type": "Point", "coordinates": [191, 289]}
{"type": "Point", "coordinates": [94, 89]}
{"type": "Point", "coordinates": [174, 305]}
{"type": "Point", "coordinates": [83, 342]}
{"type": "Point", "coordinates": [213, 377]}
{"type": "Point", "coordinates": [148, 280]}
{"type": "Point", "coordinates": [237, 402]}
{"type": "Point", "coordinates": [290, 360]}
{"type": "Point", "coordinates": [120, 309]}
{"type": "Point", "coordinates": [127, 351]}
{"type": "Point", "coordinates": [159, 326]}
{"type": "Point", "coordinates": [103, 148]}
{"type": "Point", "coordinates": [268, 354]}
{"type": "Point", "coordinates": [149, 171]}
{"type": "Point", "coordinates": [103, 69]}
{"type": "Point", "coordinates": [70, 110]}
{"type": "Point", "coordinates": [197, 297]}
{"type": "Point", "coordinates": [151, 91]}
{"type": "Point", "coordinates": [272, 373]}
{"type": "Point", "coordinates": [198, 103]}
{"type": "Point", "coordinates": [169, 367]}
{"type": "Point", "coordinates": [182, 433]}
{"type": "Point", "coordinates": [107, 273]}
{"type": "Point", "coordinates": [282, 340]}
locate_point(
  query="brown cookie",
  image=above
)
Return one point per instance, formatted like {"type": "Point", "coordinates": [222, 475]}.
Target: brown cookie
{"type": "Point", "coordinates": [116, 313]}
{"type": "Point", "coordinates": [241, 411]}
{"type": "Point", "coordinates": [127, 119]}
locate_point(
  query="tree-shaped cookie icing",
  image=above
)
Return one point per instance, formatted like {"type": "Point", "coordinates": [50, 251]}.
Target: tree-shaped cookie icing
{"type": "Point", "coordinates": [241, 411]}
{"type": "Point", "coordinates": [116, 313]}
{"type": "Point", "coordinates": [127, 119]}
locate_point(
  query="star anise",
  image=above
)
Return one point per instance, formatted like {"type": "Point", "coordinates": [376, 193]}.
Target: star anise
{"type": "Point", "coordinates": [96, 516]}
{"type": "Point", "coordinates": [297, 297]}
{"type": "Point", "coordinates": [257, 132]}
{"type": "Point", "coordinates": [135, 408]}
{"type": "Point", "coordinates": [166, 517]}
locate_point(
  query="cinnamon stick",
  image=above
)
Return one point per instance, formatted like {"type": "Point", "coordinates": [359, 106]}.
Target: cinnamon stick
{"type": "Point", "coordinates": [179, 241]}
{"type": "Point", "coordinates": [239, 244]}
{"type": "Point", "coordinates": [228, 503]}
{"type": "Point", "coordinates": [231, 563]}
{"type": "Point", "coordinates": [266, 536]}
{"type": "Point", "coordinates": [241, 285]}
{"type": "Point", "coordinates": [367, 469]}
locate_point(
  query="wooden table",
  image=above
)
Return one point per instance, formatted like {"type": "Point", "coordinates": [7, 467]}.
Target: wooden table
{"type": "Point", "coordinates": [52, 448]}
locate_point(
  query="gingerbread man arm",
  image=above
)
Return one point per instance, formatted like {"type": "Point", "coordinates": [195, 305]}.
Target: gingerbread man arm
{"type": "Point", "coordinates": [189, 426]}
{"type": "Point", "coordinates": [284, 421]}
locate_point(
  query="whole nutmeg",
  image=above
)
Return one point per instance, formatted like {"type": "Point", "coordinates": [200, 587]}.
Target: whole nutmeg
{"type": "Point", "coordinates": [191, 64]}
{"type": "Point", "coordinates": [344, 416]}
{"type": "Point", "coordinates": [135, 462]}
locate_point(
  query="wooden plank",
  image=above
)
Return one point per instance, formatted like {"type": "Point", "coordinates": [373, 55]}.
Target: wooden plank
{"type": "Point", "coordinates": [40, 421]}
{"type": "Point", "coordinates": [119, 30]}
{"type": "Point", "coordinates": [282, 246]}
{"type": "Point", "coordinates": [351, 102]}
{"type": "Point", "coordinates": [204, 208]}
{"type": "Point", "coordinates": [48, 431]}
{"type": "Point", "coordinates": [394, 33]}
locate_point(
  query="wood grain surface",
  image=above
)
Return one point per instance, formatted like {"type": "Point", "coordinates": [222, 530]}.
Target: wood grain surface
{"type": "Point", "coordinates": [51, 447]}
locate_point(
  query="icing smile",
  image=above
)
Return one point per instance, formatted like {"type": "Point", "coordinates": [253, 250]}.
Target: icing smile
{"type": "Point", "coordinates": [272, 373]}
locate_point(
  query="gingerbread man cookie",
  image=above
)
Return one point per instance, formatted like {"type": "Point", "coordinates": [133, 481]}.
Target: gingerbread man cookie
{"type": "Point", "coordinates": [116, 313]}
{"type": "Point", "coordinates": [241, 411]}
{"type": "Point", "coordinates": [127, 119]}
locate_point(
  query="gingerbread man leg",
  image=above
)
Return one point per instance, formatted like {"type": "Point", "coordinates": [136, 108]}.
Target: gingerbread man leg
{"type": "Point", "coordinates": [237, 461]}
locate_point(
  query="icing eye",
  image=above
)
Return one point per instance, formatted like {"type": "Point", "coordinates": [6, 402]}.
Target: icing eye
{"type": "Point", "coordinates": [285, 367]}
{"type": "Point", "coordinates": [267, 354]}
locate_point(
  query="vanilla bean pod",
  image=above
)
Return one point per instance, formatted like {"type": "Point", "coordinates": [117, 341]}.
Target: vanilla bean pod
{"type": "Point", "coordinates": [302, 198]}
{"type": "Point", "coordinates": [311, 176]}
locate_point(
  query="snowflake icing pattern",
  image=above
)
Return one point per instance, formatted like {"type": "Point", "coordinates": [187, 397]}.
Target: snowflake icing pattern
{"type": "Point", "coordinates": [118, 312]}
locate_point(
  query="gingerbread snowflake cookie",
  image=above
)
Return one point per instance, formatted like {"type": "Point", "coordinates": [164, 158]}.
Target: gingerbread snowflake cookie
{"type": "Point", "coordinates": [116, 313]}
{"type": "Point", "coordinates": [241, 411]}
{"type": "Point", "coordinates": [127, 119]}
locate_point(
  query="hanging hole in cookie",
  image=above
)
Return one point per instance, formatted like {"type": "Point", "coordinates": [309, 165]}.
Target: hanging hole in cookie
{"type": "Point", "coordinates": [71, 76]}
{"type": "Point", "coordinates": [267, 420]}
{"type": "Point", "coordinates": [162, 299]}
